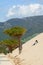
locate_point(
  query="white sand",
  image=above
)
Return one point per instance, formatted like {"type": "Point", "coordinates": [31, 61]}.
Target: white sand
{"type": "Point", "coordinates": [4, 60]}
{"type": "Point", "coordinates": [31, 55]}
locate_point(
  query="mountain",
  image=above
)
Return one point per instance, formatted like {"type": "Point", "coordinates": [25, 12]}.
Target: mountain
{"type": "Point", "coordinates": [34, 26]}
{"type": "Point", "coordinates": [31, 54]}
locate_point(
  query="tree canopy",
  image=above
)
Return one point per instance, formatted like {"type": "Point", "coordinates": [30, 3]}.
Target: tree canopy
{"type": "Point", "coordinates": [15, 31]}
{"type": "Point", "coordinates": [8, 44]}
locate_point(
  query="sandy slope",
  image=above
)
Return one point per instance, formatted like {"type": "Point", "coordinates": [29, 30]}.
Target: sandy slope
{"type": "Point", "coordinates": [4, 60]}
{"type": "Point", "coordinates": [31, 55]}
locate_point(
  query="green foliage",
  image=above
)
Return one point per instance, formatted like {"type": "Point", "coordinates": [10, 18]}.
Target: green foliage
{"type": "Point", "coordinates": [15, 31]}
{"type": "Point", "coordinates": [10, 44]}
{"type": "Point", "coordinates": [3, 48]}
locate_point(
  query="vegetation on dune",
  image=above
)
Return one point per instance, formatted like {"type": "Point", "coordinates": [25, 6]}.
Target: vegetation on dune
{"type": "Point", "coordinates": [15, 32]}
{"type": "Point", "coordinates": [33, 25]}
{"type": "Point", "coordinates": [3, 48]}
{"type": "Point", "coordinates": [8, 45]}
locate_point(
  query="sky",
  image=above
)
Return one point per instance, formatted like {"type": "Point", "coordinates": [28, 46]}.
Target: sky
{"type": "Point", "coordinates": [20, 8]}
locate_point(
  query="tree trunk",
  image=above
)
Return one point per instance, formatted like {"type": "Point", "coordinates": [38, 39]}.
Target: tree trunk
{"type": "Point", "coordinates": [10, 48]}
{"type": "Point", "coordinates": [20, 45]}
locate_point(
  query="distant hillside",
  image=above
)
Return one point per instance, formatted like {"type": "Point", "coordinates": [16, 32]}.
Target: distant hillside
{"type": "Point", "coordinates": [34, 25]}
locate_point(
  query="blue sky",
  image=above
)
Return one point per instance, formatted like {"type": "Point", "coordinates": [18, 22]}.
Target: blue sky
{"type": "Point", "coordinates": [20, 8]}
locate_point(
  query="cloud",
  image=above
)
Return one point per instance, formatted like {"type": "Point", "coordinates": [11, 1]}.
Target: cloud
{"type": "Point", "coordinates": [10, 12]}
{"type": "Point", "coordinates": [25, 10]}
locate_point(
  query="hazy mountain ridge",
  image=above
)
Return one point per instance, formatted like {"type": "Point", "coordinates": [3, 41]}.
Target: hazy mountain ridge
{"type": "Point", "coordinates": [32, 24]}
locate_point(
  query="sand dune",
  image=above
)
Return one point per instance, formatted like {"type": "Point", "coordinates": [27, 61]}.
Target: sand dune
{"type": "Point", "coordinates": [4, 60]}
{"type": "Point", "coordinates": [31, 54]}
